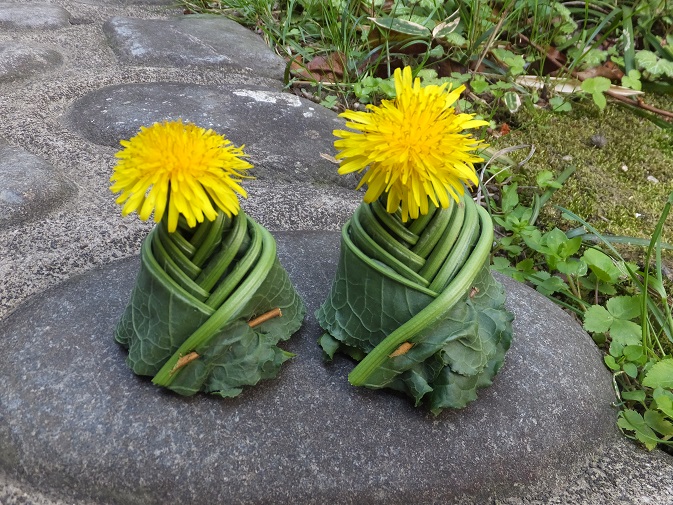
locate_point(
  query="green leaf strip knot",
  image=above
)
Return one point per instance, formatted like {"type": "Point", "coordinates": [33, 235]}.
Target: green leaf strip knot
{"type": "Point", "coordinates": [469, 263]}
{"type": "Point", "coordinates": [415, 303]}
{"type": "Point", "coordinates": [195, 292]}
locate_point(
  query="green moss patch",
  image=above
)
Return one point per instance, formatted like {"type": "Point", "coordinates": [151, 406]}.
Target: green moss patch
{"type": "Point", "coordinates": [624, 166]}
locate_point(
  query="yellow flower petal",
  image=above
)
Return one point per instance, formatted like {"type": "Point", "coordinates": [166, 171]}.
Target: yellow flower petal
{"type": "Point", "coordinates": [181, 166]}
{"type": "Point", "coordinates": [413, 148]}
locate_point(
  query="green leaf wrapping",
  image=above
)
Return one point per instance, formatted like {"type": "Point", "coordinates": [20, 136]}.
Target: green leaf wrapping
{"type": "Point", "coordinates": [171, 313]}
{"type": "Point", "coordinates": [439, 346]}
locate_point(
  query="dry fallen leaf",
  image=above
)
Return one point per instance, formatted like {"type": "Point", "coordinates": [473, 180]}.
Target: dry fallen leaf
{"type": "Point", "coordinates": [609, 70]}
{"type": "Point", "coordinates": [322, 68]}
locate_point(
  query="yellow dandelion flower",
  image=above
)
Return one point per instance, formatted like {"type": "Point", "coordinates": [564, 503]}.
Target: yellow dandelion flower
{"type": "Point", "coordinates": [414, 147]}
{"type": "Point", "coordinates": [180, 166]}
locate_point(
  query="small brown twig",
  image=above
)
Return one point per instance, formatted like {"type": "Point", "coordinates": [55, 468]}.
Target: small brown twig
{"type": "Point", "coordinates": [183, 360]}
{"type": "Point", "coordinates": [265, 317]}
{"type": "Point", "coordinates": [640, 104]}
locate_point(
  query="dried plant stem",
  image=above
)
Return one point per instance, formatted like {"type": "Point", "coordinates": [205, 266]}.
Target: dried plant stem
{"type": "Point", "coordinates": [265, 317]}
{"type": "Point", "coordinates": [639, 103]}
{"type": "Point", "coordinates": [184, 360]}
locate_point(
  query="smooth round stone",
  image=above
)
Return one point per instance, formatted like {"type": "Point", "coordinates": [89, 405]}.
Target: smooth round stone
{"type": "Point", "coordinates": [19, 60]}
{"type": "Point", "coordinates": [285, 136]}
{"type": "Point", "coordinates": [75, 421]}
{"type": "Point", "coordinates": [28, 186]}
{"type": "Point", "coordinates": [192, 41]}
{"type": "Point", "coordinates": [33, 16]}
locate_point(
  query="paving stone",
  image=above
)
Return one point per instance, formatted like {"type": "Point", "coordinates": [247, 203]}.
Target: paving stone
{"type": "Point", "coordinates": [105, 3]}
{"type": "Point", "coordinates": [195, 40]}
{"type": "Point", "coordinates": [74, 420]}
{"type": "Point", "coordinates": [18, 60]}
{"type": "Point", "coordinates": [284, 135]}
{"type": "Point", "coordinates": [28, 186]}
{"type": "Point", "coordinates": [33, 16]}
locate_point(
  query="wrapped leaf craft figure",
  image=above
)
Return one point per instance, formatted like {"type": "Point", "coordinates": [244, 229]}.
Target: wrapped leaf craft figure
{"type": "Point", "coordinates": [413, 299]}
{"type": "Point", "coordinates": [211, 300]}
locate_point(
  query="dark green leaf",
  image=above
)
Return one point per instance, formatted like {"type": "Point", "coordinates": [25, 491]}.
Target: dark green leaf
{"type": "Point", "coordinates": [329, 345]}
{"type": "Point", "coordinates": [447, 359]}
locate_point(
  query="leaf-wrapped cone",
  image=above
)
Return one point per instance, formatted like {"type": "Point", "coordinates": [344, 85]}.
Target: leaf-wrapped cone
{"type": "Point", "coordinates": [178, 309]}
{"type": "Point", "coordinates": [446, 343]}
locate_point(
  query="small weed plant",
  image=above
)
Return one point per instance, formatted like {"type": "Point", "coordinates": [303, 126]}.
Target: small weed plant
{"type": "Point", "coordinates": [625, 307]}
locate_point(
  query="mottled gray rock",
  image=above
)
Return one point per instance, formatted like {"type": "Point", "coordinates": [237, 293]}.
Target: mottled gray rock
{"type": "Point", "coordinates": [33, 16]}
{"type": "Point", "coordinates": [284, 135]}
{"type": "Point", "coordinates": [18, 60]}
{"type": "Point", "coordinates": [28, 186]}
{"type": "Point", "coordinates": [187, 41]}
{"type": "Point", "coordinates": [76, 421]}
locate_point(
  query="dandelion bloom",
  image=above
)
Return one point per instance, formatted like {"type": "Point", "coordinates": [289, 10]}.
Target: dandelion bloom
{"type": "Point", "coordinates": [413, 145]}
{"type": "Point", "coordinates": [186, 168]}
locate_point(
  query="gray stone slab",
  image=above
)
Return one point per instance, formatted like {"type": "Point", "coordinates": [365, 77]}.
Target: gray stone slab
{"type": "Point", "coordinates": [18, 60]}
{"type": "Point", "coordinates": [75, 421]}
{"type": "Point", "coordinates": [189, 41]}
{"type": "Point", "coordinates": [33, 16]}
{"type": "Point", "coordinates": [284, 135]}
{"type": "Point", "coordinates": [28, 186]}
